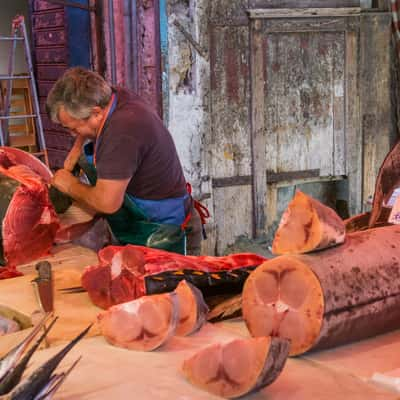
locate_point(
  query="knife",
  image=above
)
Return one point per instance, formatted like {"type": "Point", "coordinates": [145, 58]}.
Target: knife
{"type": "Point", "coordinates": [43, 285]}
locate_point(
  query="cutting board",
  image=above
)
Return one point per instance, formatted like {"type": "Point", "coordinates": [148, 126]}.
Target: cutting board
{"type": "Point", "coordinates": [108, 372]}
{"type": "Point", "coordinates": [75, 311]}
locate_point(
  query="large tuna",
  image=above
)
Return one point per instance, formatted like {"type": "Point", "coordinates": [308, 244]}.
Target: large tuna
{"type": "Point", "coordinates": [28, 219]}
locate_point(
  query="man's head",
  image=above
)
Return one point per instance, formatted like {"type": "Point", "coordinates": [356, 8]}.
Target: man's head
{"type": "Point", "coordinates": [78, 101]}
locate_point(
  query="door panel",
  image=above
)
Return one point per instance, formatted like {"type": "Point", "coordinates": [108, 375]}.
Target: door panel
{"type": "Point", "coordinates": [230, 98]}
{"type": "Point", "coordinates": [304, 95]}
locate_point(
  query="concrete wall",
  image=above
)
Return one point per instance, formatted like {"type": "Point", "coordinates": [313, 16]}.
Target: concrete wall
{"type": "Point", "coordinates": [8, 10]}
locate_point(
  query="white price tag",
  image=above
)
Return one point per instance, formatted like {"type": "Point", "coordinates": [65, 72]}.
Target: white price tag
{"type": "Point", "coordinates": [394, 217]}
{"type": "Point", "coordinates": [393, 198]}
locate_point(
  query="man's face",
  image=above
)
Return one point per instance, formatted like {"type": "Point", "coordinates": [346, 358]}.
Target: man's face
{"type": "Point", "coordinates": [83, 127]}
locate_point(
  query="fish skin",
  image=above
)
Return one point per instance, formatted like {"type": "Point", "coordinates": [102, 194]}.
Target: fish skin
{"type": "Point", "coordinates": [9, 360]}
{"type": "Point", "coordinates": [33, 385]}
{"type": "Point", "coordinates": [13, 377]}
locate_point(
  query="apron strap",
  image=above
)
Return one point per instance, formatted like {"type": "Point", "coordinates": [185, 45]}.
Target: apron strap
{"type": "Point", "coordinates": [201, 209]}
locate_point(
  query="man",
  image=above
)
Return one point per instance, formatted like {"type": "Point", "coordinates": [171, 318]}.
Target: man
{"type": "Point", "coordinates": [134, 156]}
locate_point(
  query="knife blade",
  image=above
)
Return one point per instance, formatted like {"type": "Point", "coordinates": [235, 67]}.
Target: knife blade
{"type": "Point", "coordinates": [73, 289]}
{"type": "Point", "coordinates": [44, 286]}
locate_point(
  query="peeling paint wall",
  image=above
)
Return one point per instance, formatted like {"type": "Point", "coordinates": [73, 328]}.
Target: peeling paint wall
{"type": "Point", "coordinates": [188, 88]}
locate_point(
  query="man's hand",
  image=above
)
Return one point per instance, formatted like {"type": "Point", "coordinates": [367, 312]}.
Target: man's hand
{"type": "Point", "coordinates": [63, 181]}
{"type": "Point", "coordinates": [106, 196]}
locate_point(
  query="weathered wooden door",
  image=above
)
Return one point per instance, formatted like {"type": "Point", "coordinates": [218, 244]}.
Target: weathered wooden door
{"type": "Point", "coordinates": [305, 102]}
{"type": "Point", "coordinates": [299, 98]}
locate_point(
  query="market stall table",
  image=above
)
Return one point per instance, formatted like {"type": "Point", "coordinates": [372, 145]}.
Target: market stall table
{"type": "Point", "coordinates": [106, 372]}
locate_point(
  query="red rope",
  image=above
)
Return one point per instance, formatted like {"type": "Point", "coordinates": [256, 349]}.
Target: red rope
{"type": "Point", "coordinates": [202, 210]}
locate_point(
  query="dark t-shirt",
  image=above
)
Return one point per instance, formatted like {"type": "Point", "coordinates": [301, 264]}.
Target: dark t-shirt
{"type": "Point", "coordinates": [135, 144]}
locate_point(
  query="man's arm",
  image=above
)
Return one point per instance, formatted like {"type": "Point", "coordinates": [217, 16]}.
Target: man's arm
{"type": "Point", "coordinates": [105, 197]}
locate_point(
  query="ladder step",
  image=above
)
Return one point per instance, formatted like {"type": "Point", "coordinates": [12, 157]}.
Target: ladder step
{"type": "Point", "coordinates": [9, 78]}
{"type": "Point", "coordinates": [11, 38]}
{"type": "Point", "coordinates": [18, 116]}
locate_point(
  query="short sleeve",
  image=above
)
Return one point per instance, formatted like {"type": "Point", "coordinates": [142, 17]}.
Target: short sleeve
{"type": "Point", "coordinates": [119, 152]}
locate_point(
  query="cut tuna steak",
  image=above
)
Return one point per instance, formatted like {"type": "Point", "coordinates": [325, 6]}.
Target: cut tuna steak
{"type": "Point", "coordinates": [143, 324]}
{"type": "Point", "coordinates": [122, 271]}
{"type": "Point", "coordinates": [307, 225]}
{"type": "Point", "coordinates": [239, 367]}
{"type": "Point", "coordinates": [192, 309]}
{"type": "Point", "coordinates": [147, 323]}
{"type": "Point", "coordinates": [29, 222]}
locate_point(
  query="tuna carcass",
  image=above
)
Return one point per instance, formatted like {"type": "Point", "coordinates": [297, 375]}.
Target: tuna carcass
{"type": "Point", "coordinates": [29, 221]}
{"type": "Point", "coordinates": [121, 273]}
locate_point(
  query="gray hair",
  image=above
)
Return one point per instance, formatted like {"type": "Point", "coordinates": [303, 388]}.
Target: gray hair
{"type": "Point", "coordinates": [78, 91]}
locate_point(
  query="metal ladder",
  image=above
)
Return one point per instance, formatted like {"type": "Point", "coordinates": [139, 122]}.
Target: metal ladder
{"type": "Point", "coordinates": [19, 34]}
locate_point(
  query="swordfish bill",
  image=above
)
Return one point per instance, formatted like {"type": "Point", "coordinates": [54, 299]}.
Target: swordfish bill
{"type": "Point", "coordinates": [33, 385]}
{"type": "Point", "coordinates": [13, 377]}
{"type": "Point", "coordinates": [8, 361]}
{"type": "Point", "coordinates": [55, 382]}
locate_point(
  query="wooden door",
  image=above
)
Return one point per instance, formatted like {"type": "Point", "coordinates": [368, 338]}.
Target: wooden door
{"type": "Point", "coordinates": [305, 96]}
{"type": "Point", "coordinates": [300, 98]}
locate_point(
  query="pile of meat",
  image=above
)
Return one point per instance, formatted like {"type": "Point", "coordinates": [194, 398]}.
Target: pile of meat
{"type": "Point", "coordinates": [226, 369]}
{"type": "Point", "coordinates": [120, 275]}
{"type": "Point", "coordinates": [29, 221]}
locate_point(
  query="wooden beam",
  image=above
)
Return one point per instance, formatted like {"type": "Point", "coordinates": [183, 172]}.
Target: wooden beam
{"type": "Point", "coordinates": [289, 177]}
{"type": "Point", "coordinates": [231, 181]}
{"type": "Point", "coordinates": [275, 177]}
{"type": "Point", "coordinates": [303, 12]}
{"type": "Point", "coordinates": [303, 3]}
{"type": "Point", "coordinates": [258, 134]}
{"type": "Point", "coordinates": [354, 154]}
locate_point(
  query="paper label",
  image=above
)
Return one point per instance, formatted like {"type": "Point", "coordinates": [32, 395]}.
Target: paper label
{"type": "Point", "coordinates": [393, 198]}
{"type": "Point", "coordinates": [394, 217]}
